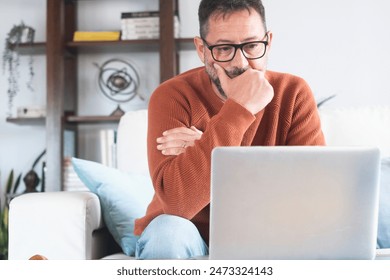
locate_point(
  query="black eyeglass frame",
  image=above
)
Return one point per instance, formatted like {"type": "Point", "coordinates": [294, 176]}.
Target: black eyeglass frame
{"type": "Point", "coordinates": [237, 46]}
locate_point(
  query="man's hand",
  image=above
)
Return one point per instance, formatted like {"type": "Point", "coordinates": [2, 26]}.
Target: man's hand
{"type": "Point", "coordinates": [250, 89]}
{"type": "Point", "coordinates": [176, 140]}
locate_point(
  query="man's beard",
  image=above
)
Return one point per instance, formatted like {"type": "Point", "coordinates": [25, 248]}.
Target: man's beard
{"type": "Point", "coordinates": [232, 74]}
{"type": "Point", "coordinates": [218, 85]}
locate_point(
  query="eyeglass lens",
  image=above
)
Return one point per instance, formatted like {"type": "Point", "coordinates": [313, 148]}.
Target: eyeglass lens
{"type": "Point", "coordinates": [251, 50]}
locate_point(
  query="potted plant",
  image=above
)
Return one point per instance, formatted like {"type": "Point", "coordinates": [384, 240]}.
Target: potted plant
{"type": "Point", "coordinates": [9, 192]}
{"type": "Point", "coordinates": [11, 60]}
{"type": "Point", "coordinates": [3, 233]}
{"type": "Point", "coordinates": [31, 180]}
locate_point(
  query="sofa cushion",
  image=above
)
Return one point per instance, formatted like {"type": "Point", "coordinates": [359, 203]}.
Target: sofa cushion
{"type": "Point", "coordinates": [131, 142]}
{"type": "Point", "coordinates": [384, 208]}
{"type": "Point", "coordinates": [367, 126]}
{"type": "Point", "coordinates": [123, 196]}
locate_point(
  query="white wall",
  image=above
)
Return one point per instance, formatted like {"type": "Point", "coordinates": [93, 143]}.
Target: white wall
{"type": "Point", "coordinates": [339, 47]}
{"type": "Point", "coordinates": [20, 145]}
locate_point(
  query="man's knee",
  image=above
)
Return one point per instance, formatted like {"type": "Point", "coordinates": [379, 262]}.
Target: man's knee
{"type": "Point", "coordinates": [170, 237]}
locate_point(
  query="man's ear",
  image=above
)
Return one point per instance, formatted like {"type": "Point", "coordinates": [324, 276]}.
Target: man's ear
{"type": "Point", "coordinates": [270, 36]}
{"type": "Point", "coordinates": [199, 45]}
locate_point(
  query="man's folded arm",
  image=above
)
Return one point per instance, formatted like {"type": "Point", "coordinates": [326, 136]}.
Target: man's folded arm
{"type": "Point", "coordinates": [182, 182]}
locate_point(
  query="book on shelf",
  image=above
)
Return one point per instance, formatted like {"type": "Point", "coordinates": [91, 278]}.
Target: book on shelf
{"type": "Point", "coordinates": [133, 35]}
{"type": "Point", "coordinates": [72, 182]}
{"type": "Point", "coordinates": [81, 36]}
{"type": "Point", "coordinates": [107, 140]}
{"type": "Point", "coordinates": [146, 23]}
{"type": "Point", "coordinates": [128, 24]}
{"type": "Point", "coordinates": [143, 25]}
{"type": "Point", "coordinates": [143, 14]}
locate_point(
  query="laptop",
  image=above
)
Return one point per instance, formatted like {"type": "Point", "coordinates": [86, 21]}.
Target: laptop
{"type": "Point", "coordinates": [294, 202]}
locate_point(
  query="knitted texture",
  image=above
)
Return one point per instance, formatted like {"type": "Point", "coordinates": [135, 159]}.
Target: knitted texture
{"type": "Point", "coordinates": [182, 183]}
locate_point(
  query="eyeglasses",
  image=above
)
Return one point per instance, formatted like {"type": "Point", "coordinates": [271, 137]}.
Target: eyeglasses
{"type": "Point", "coordinates": [226, 52]}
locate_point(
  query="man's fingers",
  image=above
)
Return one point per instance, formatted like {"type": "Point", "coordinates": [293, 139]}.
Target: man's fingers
{"type": "Point", "coordinates": [175, 141]}
{"type": "Point", "coordinates": [180, 133]}
{"type": "Point", "coordinates": [221, 73]}
{"type": "Point", "coordinates": [173, 151]}
{"type": "Point", "coordinates": [179, 130]}
{"type": "Point", "coordinates": [172, 144]}
{"type": "Point", "coordinates": [196, 130]}
{"type": "Point", "coordinates": [178, 136]}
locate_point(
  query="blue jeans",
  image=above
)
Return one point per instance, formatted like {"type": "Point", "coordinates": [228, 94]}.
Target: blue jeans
{"type": "Point", "coordinates": [170, 237]}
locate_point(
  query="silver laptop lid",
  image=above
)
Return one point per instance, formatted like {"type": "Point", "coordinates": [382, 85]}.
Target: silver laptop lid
{"type": "Point", "coordinates": [294, 202]}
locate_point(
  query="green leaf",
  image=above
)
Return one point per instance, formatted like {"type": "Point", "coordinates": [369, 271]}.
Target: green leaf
{"type": "Point", "coordinates": [17, 183]}
{"type": "Point", "coordinates": [4, 218]}
{"type": "Point", "coordinates": [38, 158]}
{"type": "Point", "coordinates": [10, 182]}
{"type": "Point", "coordinates": [3, 236]}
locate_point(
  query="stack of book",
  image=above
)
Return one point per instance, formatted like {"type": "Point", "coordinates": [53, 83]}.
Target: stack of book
{"type": "Point", "coordinates": [72, 181]}
{"type": "Point", "coordinates": [107, 139]}
{"type": "Point", "coordinates": [143, 25]}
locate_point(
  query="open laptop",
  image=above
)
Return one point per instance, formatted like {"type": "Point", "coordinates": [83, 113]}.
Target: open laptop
{"type": "Point", "coordinates": [294, 202]}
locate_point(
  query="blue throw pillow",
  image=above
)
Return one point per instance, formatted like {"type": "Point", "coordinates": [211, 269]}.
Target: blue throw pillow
{"type": "Point", "coordinates": [124, 197]}
{"type": "Point", "coordinates": [384, 206]}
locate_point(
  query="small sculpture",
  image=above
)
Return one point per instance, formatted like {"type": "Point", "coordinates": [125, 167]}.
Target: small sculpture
{"type": "Point", "coordinates": [118, 80]}
{"type": "Point", "coordinates": [31, 180]}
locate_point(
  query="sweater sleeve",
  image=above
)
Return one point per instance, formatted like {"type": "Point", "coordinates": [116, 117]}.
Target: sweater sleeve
{"type": "Point", "coordinates": [182, 183]}
{"type": "Point", "coordinates": [305, 126]}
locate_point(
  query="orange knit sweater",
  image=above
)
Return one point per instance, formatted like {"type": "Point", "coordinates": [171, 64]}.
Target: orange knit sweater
{"type": "Point", "coordinates": [182, 183]}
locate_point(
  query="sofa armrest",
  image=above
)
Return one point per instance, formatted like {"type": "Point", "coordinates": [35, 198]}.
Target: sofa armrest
{"type": "Point", "coordinates": [57, 225]}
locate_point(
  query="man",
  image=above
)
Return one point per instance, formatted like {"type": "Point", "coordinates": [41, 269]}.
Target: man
{"type": "Point", "coordinates": [232, 101]}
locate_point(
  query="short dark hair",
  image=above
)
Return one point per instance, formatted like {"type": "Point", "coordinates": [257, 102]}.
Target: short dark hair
{"type": "Point", "coordinates": [210, 7]}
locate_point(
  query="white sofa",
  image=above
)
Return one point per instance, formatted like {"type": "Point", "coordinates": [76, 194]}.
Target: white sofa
{"type": "Point", "coordinates": [69, 225]}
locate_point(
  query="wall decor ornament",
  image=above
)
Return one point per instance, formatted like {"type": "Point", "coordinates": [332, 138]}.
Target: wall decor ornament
{"type": "Point", "coordinates": [118, 80]}
{"type": "Point", "coordinates": [31, 179]}
{"type": "Point", "coordinates": [11, 60]}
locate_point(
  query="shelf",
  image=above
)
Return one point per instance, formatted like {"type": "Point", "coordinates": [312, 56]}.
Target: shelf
{"type": "Point", "coordinates": [185, 44]}
{"type": "Point", "coordinates": [117, 46]}
{"type": "Point", "coordinates": [69, 120]}
{"type": "Point", "coordinates": [27, 121]}
{"type": "Point", "coordinates": [92, 119]}
{"type": "Point", "coordinates": [126, 45]}
{"type": "Point", "coordinates": [32, 48]}
{"type": "Point", "coordinates": [102, 46]}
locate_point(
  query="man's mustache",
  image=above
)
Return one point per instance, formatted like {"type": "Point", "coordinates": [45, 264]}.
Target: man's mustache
{"type": "Point", "coordinates": [235, 72]}
{"type": "Point", "coordinates": [231, 74]}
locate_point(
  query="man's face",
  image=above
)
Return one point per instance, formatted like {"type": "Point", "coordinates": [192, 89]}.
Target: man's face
{"type": "Point", "coordinates": [235, 28]}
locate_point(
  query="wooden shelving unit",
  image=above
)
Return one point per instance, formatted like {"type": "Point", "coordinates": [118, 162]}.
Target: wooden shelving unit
{"type": "Point", "coordinates": [61, 73]}
{"type": "Point", "coordinates": [61, 59]}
